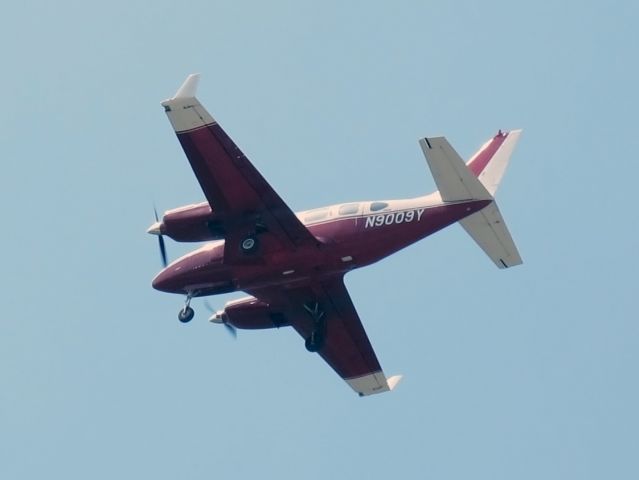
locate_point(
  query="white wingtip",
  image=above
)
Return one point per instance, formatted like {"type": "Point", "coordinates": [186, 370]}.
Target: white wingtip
{"type": "Point", "coordinates": [393, 381]}
{"type": "Point", "coordinates": [189, 87]}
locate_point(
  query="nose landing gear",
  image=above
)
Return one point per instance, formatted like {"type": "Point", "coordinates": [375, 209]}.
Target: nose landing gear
{"type": "Point", "coordinates": [186, 314]}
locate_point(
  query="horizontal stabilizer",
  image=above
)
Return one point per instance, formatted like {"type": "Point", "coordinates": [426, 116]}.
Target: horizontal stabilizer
{"type": "Point", "coordinates": [488, 229]}
{"type": "Point", "coordinates": [454, 180]}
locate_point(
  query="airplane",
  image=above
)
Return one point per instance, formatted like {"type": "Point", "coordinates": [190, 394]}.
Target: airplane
{"type": "Point", "coordinates": [292, 265]}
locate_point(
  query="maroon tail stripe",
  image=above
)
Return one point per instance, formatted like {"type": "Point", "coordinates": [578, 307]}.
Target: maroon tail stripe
{"type": "Point", "coordinates": [479, 163]}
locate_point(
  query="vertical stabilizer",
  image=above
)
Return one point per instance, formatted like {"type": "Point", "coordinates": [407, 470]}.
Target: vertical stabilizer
{"type": "Point", "coordinates": [491, 160]}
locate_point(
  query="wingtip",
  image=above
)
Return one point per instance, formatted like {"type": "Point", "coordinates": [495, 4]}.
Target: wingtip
{"type": "Point", "coordinates": [189, 87]}
{"type": "Point", "coordinates": [393, 381]}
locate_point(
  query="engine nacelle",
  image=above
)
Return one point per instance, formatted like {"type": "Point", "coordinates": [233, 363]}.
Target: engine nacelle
{"type": "Point", "coordinates": [249, 313]}
{"type": "Point", "coordinates": [193, 223]}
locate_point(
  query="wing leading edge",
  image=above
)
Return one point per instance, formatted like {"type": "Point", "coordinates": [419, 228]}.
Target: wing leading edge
{"type": "Point", "coordinates": [346, 347]}
{"type": "Point", "coordinates": [234, 188]}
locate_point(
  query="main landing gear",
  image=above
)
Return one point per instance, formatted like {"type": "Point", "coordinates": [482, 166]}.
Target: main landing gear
{"type": "Point", "coordinates": [316, 339]}
{"type": "Point", "coordinates": [186, 314]}
{"type": "Point", "coordinates": [250, 244]}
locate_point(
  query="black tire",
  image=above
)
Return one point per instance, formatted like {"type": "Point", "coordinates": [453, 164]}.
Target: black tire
{"type": "Point", "coordinates": [186, 315]}
{"type": "Point", "coordinates": [314, 343]}
{"type": "Point", "coordinates": [249, 245]}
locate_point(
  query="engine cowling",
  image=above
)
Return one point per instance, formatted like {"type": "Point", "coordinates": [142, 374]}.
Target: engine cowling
{"type": "Point", "coordinates": [193, 223]}
{"type": "Point", "coordinates": [249, 313]}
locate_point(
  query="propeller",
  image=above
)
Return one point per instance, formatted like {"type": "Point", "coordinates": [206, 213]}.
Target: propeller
{"type": "Point", "coordinates": [161, 241]}
{"type": "Point", "coordinates": [232, 330]}
{"type": "Point", "coordinates": [229, 328]}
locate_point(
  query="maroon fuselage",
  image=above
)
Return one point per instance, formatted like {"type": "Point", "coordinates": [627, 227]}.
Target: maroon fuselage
{"type": "Point", "coordinates": [344, 243]}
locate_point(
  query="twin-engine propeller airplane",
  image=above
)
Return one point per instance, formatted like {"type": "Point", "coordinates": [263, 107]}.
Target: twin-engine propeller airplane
{"type": "Point", "coordinates": [293, 265]}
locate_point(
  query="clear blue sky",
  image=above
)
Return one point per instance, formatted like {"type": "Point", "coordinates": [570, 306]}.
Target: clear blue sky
{"type": "Point", "coordinates": [528, 373]}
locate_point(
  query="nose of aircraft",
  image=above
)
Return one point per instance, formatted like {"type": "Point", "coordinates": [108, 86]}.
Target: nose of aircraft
{"type": "Point", "coordinates": [184, 274]}
{"type": "Point", "coordinates": [167, 280]}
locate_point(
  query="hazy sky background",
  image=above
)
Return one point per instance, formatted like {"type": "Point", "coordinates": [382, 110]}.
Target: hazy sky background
{"type": "Point", "coordinates": [527, 373]}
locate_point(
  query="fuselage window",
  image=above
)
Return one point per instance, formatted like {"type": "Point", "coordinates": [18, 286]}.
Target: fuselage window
{"type": "Point", "coordinates": [349, 209]}
{"type": "Point", "coordinates": [375, 206]}
{"type": "Point", "coordinates": [316, 215]}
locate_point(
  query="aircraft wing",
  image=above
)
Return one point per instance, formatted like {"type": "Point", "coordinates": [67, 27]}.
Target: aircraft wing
{"type": "Point", "coordinates": [346, 347]}
{"type": "Point", "coordinates": [236, 191]}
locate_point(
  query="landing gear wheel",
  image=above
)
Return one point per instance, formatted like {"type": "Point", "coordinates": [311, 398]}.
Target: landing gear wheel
{"type": "Point", "coordinates": [249, 245]}
{"type": "Point", "coordinates": [186, 315]}
{"type": "Point", "coordinates": [314, 343]}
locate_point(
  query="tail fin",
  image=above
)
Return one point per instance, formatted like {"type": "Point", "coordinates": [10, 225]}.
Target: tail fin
{"type": "Point", "coordinates": [490, 162]}
{"type": "Point", "coordinates": [477, 180]}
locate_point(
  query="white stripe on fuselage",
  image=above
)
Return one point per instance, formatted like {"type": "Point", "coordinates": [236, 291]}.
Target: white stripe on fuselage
{"type": "Point", "coordinates": [394, 218]}
{"type": "Point", "coordinates": [412, 210]}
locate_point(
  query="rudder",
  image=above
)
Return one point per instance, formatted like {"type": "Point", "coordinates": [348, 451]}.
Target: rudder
{"type": "Point", "coordinates": [491, 160]}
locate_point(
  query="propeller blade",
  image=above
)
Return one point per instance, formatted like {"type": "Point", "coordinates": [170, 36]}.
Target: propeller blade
{"type": "Point", "coordinates": [160, 240]}
{"type": "Point", "coordinates": [162, 251]}
{"type": "Point", "coordinates": [208, 306]}
{"type": "Point", "coordinates": [232, 330]}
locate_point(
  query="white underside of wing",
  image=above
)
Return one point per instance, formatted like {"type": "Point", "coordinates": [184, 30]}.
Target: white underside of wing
{"type": "Point", "coordinates": [373, 383]}
{"type": "Point", "coordinates": [185, 112]}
